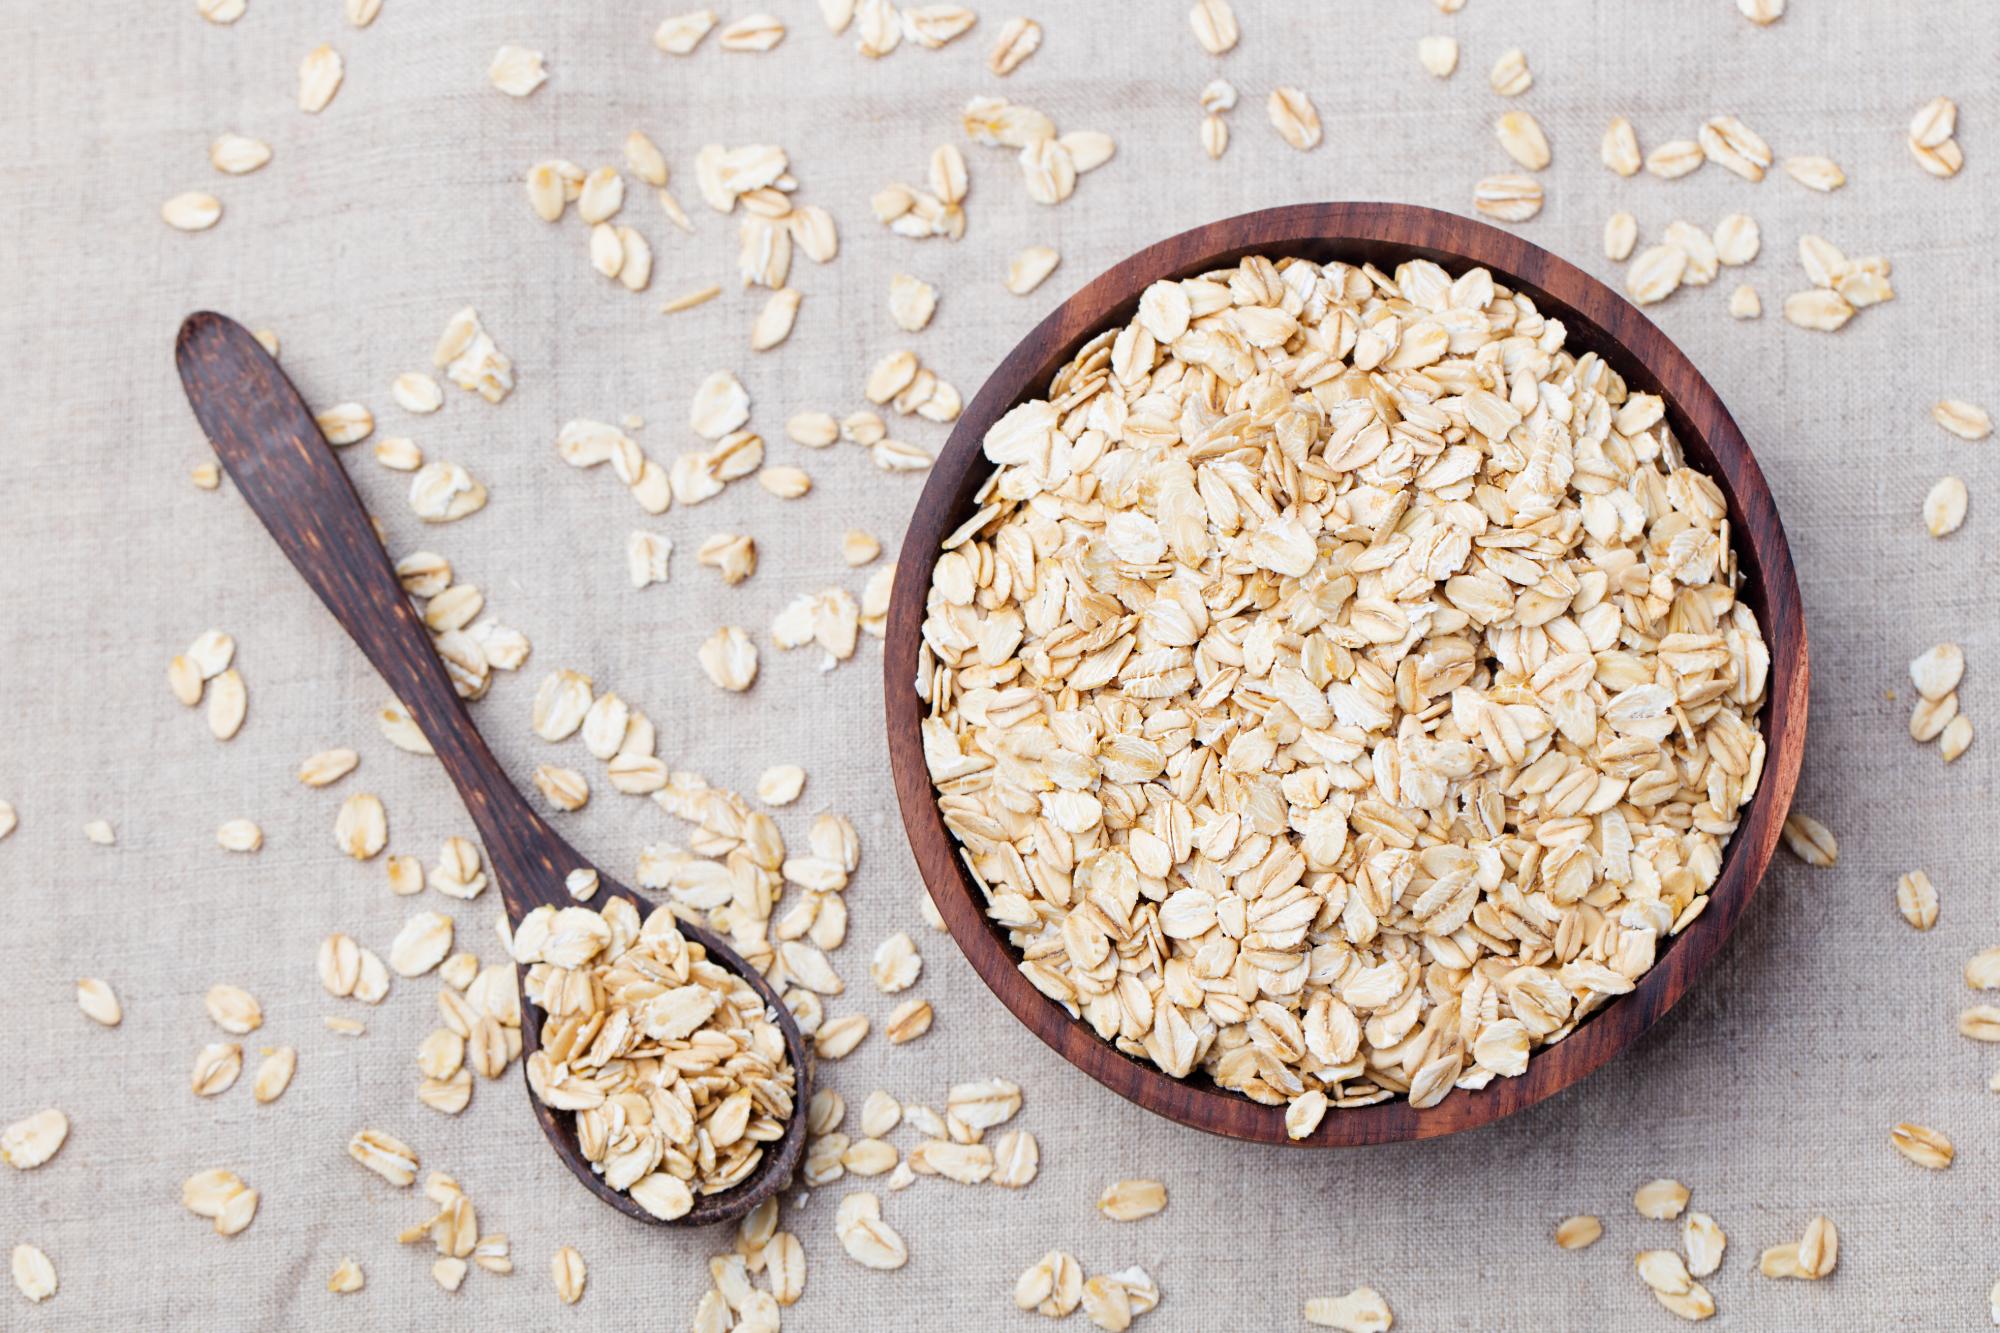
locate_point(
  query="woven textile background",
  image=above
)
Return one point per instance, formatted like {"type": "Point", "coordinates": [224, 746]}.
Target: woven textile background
{"type": "Point", "coordinates": [1770, 1091]}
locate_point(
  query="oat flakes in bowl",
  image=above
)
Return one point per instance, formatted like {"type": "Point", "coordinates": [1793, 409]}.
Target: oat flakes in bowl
{"type": "Point", "coordinates": [1334, 682]}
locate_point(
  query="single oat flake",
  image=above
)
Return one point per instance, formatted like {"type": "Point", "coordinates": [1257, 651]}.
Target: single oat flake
{"type": "Point", "coordinates": [1619, 149]}
{"type": "Point", "coordinates": [99, 1002]}
{"type": "Point", "coordinates": [1438, 55]}
{"type": "Point", "coordinates": [1295, 117]}
{"type": "Point", "coordinates": [517, 70]}
{"type": "Point", "coordinates": [1917, 899]}
{"type": "Point", "coordinates": [1215, 26]}
{"type": "Point", "coordinates": [1944, 507]}
{"type": "Point", "coordinates": [1508, 197]}
{"type": "Point", "coordinates": [238, 154]}
{"type": "Point", "coordinates": [34, 1275]}
{"type": "Point", "coordinates": [1578, 1232]}
{"type": "Point", "coordinates": [1131, 1200]}
{"type": "Point", "coordinates": [1966, 420]}
{"type": "Point", "coordinates": [1922, 1145]}
{"type": "Point", "coordinates": [319, 79]}
{"type": "Point", "coordinates": [1510, 76]}
{"type": "Point", "coordinates": [192, 211]}
{"type": "Point", "coordinates": [1360, 1311]}
{"type": "Point", "coordinates": [29, 1142]}
{"type": "Point", "coordinates": [1810, 841]}
{"type": "Point", "coordinates": [1660, 1199]}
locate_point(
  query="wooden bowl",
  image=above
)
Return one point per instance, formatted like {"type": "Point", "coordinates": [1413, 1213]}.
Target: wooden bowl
{"type": "Point", "coordinates": [1598, 320]}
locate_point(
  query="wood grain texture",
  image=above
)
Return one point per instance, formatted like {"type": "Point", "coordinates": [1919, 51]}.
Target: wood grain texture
{"type": "Point", "coordinates": [273, 450]}
{"type": "Point", "coordinates": [1597, 319]}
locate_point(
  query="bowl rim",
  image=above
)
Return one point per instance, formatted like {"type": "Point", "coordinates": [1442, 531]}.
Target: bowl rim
{"type": "Point", "coordinates": [1597, 318]}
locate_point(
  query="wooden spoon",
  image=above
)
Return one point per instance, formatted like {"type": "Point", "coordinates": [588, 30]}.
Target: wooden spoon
{"type": "Point", "coordinates": [267, 438]}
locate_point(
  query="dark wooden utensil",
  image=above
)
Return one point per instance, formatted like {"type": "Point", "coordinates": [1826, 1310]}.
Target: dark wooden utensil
{"type": "Point", "coordinates": [273, 449]}
{"type": "Point", "coordinates": [1597, 319]}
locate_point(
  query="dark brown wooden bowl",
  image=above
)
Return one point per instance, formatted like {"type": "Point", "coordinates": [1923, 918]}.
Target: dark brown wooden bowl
{"type": "Point", "coordinates": [1599, 320]}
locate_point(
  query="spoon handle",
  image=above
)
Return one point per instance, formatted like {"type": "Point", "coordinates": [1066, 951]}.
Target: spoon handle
{"type": "Point", "coordinates": [274, 451]}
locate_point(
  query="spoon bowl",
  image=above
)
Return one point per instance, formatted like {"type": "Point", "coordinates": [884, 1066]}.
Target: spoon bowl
{"type": "Point", "coordinates": [271, 446]}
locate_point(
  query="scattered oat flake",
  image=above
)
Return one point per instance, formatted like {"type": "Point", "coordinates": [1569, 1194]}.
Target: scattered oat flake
{"type": "Point", "coordinates": [689, 300]}
{"type": "Point", "coordinates": [233, 1009]}
{"type": "Point", "coordinates": [99, 1002]}
{"type": "Point", "coordinates": [361, 829]}
{"type": "Point", "coordinates": [1704, 1242]}
{"type": "Point", "coordinates": [1934, 123]}
{"type": "Point", "coordinates": [1028, 269]}
{"type": "Point", "coordinates": [720, 405]}
{"type": "Point", "coordinates": [1019, 38]}
{"type": "Point", "coordinates": [912, 301]}
{"type": "Point", "coordinates": [274, 1074]}
{"type": "Point", "coordinates": [781, 784]}
{"type": "Point", "coordinates": [1820, 310]}
{"type": "Point", "coordinates": [1922, 1145]}
{"type": "Point", "coordinates": [1215, 26]}
{"type": "Point", "coordinates": [517, 70]}
{"type": "Point", "coordinates": [1521, 137]}
{"type": "Point", "coordinates": [33, 1140]}
{"type": "Point", "coordinates": [1945, 506]}
{"type": "Point", "coordinates": [1737, 239]}
{"type": "Point", "coordinates": [1621, 234]}
{"type": "Point", "coordinates": [867, 1239]}
{"type": "Point", "coordinates": [388, 1157]}
{"type": "Point", "coordinates": [1295, 117]}
{"type": "Point", "coordinates": [238, 154]}
{"type": "Point", "coordinates": [239, 835]}
{"type": "Point", "coordinates": [1818, 1249]}
{"type": "Point", "coordinates": [1955, 739]}
{"type": "Point", "coordinates": [34, 1275]}
{"type": "Point", "coordinates": [1816, 173]}
{"type": "Point", "coordinates": [908, 1021]}
{"type": "Point", "coordinates": [416, 392]}
{"type": "Point", "coordinates": [858, 547]}
{"type": "Point", "coordinates": [319, 78]}
{"type": "Point", "coordinates": [1917, 899]}
{"type": "Point", "coordinates": [679, 34]}
{"type": "Point", "coordinates": [1131, 1200]}
{"type": "Point", "coordinates": [216, 1066]}
{"type": "Point", "coordinates": [1360, 1311]}
{"type": "Point", "coordinates": [1578, 1232]}
{"type": "Point", "coordinates": [566, 1269]}
{"type": "Point", "coordinates": [1660, 1199]}
{"type": "Point", "coordinates": [1981, 1022]}
{"type": "Point", "coordinates": [1438, 55]}
{"type": "Point", "coordinates": [1763, 13]}
{"type": "Point", "coordinates": [1510, 76]}
{"type": "Point", "coordinates": [193, 211]}
{"type": "Point", "coordinates": [1810, 841]}
{"type": "Point", "coordinates": [347, 1278]}
{"type": "Point", "coordinates": [754, 32]}
{"type": "Point", "coordinates": [1675, 158]}
{"type": "Point", "coordinates": [774, 322]}
{"type": "Point", "coordinates": [100, 832]}
{"type": "Point", "coordinates": [1734, 146]}
{"type": "Point", "coordinates": [1508, 197]}
{"type": "Point", "coordinates": [1619, 149]}
{"type": "Point", "coordinates": [1965, 420]}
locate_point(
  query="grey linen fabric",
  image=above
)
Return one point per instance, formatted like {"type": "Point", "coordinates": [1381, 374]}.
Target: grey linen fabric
{"type": "Point", "coordinates": [1770, 1091]}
